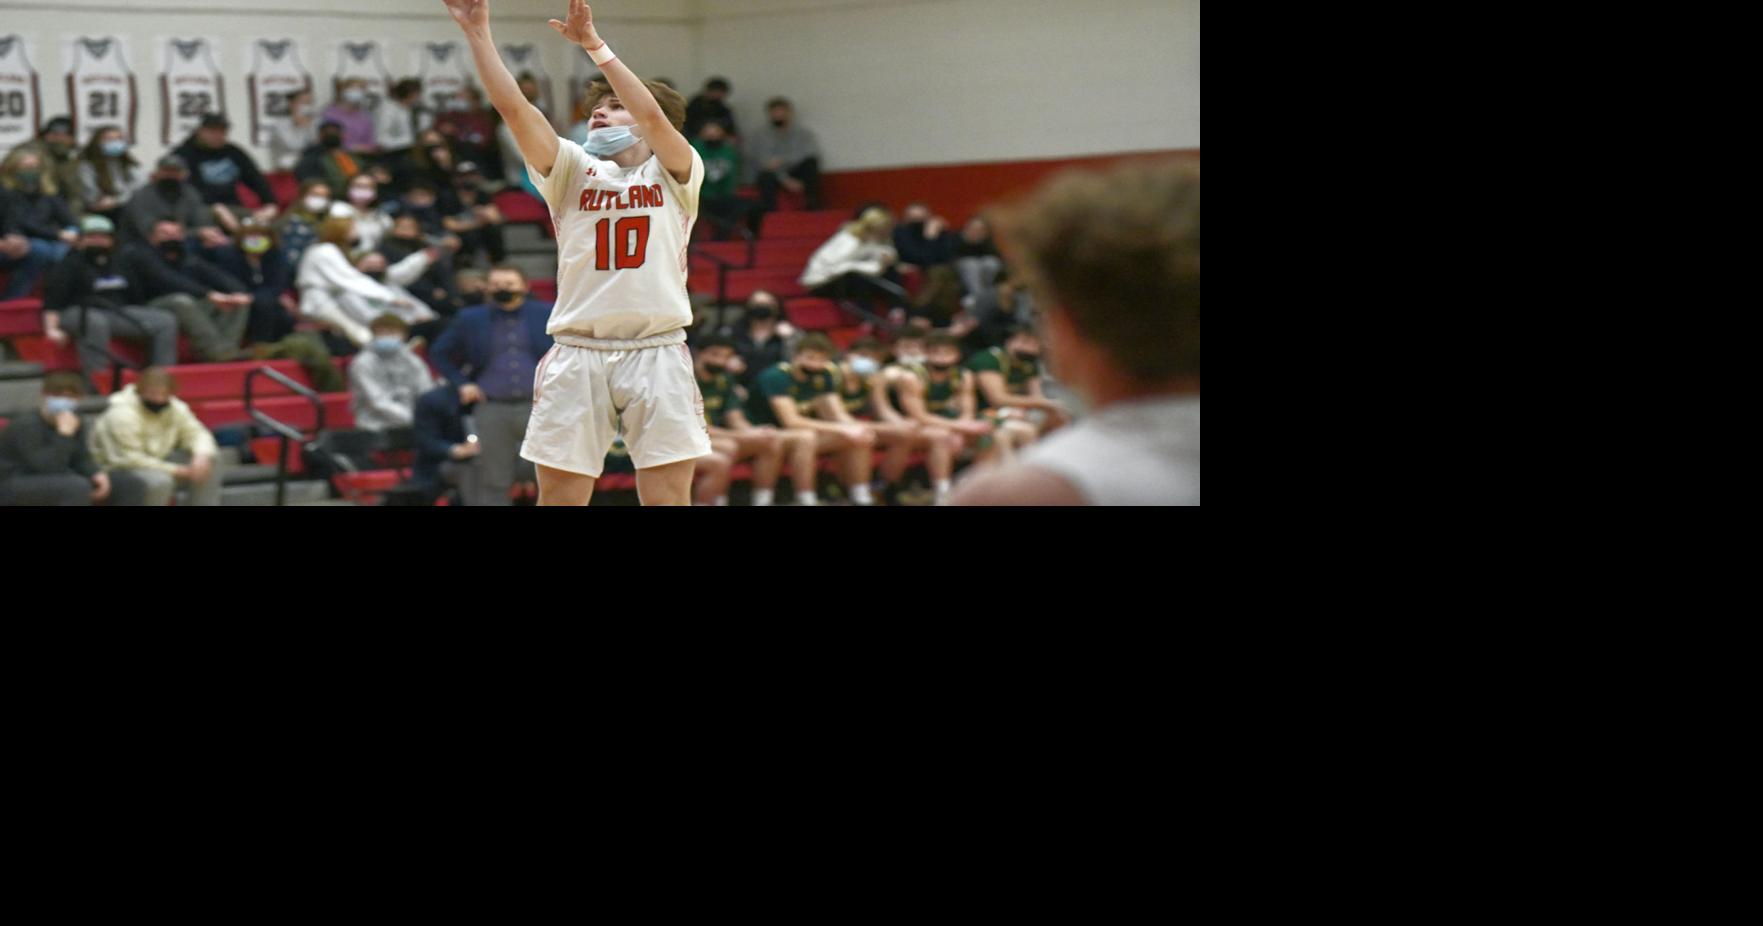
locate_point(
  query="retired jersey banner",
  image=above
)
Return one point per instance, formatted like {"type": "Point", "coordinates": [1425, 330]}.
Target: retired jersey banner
{"type": "Point", "coordinates": [276, 77]}
{"type": "Point", "coordinates": [190, 87]}
{"type": "Point", "coordinates": [21, 97]}
{"type": "Point", "coordinates": [101, 89]}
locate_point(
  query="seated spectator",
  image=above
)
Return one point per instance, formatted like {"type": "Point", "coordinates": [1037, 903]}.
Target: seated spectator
{"type": "Point", "coordinates": [804, 395]}
{"type": "Point", "coordinates": [395, 123]}
{"type": "Point", "coordinates": [491, 355]}
{"type": "Point", "coordinates": [1117, 256]}
{"type": "Point", "coordinates": [446, 455]}
{"type": "Point", "coordinates": [432, 163]}
{"type": "Point", "coordinates": [468, 128]}
{"type": "Point", "coordinates": [762, 338]}
{"type": "Point", "coordinates": [385, 380]}
{"type": "Point", "coordinates": [36, 226]}
{"type": "Point", "coordinates": [926, 244]}
{"type": "Point", "coordinates": [265, 270]}
{"type": "Point", "coordinates": [44, 458]}
{"type": "Point", "coordinates": [976, 258]}
{"type": "Point", "coordinates": [435, 285]}
{"type": "Point", "coordinates": [785, 155]}
{"type": "Point", "coordinates": [722, 175]}
{"type": "Point", "coordinates": [218, 167]}
{"type": "Point", "coordinates": [710, 105]}
{"type": "Point", "coordinates": [353, 112]}
{"type": "Point", "coordinates": [475, 219]}
{"type": "Point", "coordinates": [736, 439]}
{"type": "Point", "coordinates": [472, 286]}
{"type": "Point", "coordinates": [938, 393]}
{"type": "Point", "coordinates": [1009, 382]}
{"type": "Point", "coordinates": [289, 139]}
{"type": "Point", "coordinates": [852, 263]}
{"type": "Point", "coordinates": [89, 296]}
{"type": "Point", "coordinates": [150, 433]}
{"type": "Point", "coordinates": [54, 146]}
{"type": "Point", "coordinates": [422, 201]}
{"type": "Point", "coordinates": [363, 205]}
{"type": "Point", "coordinates": [170, 198]}
{"type": "Point", "coordinates": [298, 227]}
{"type": "Point", "coordinates": [211, 305]}
{"type": "Point", "coordinates": [108, 174]}
{"type": "Point", "coordinates": [333, 292]}
{"type": "Point", "coordinates": [327, 162]}
{"type": "Point", "coordinates": [864, 381]}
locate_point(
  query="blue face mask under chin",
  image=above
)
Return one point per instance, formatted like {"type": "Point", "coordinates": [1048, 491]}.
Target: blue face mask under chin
{"type": "Point", "coordinates": [606, 142]}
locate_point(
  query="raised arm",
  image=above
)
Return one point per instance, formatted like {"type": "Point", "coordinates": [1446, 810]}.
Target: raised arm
{"type": "Point", "coordinates": [673, 149]}
{"type": "Point", "coordinates": [532, 131]}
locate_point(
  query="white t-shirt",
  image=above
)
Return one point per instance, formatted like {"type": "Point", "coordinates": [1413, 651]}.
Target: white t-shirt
{"type": "Point", "coordinates": [621, 244]}
{"type": "Point", "coordinates": [1141, 452]}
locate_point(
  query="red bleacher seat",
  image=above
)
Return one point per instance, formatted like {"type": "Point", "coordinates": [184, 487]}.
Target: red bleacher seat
{"type": "Point", "coordinates": [365, 488]}
{"type": "Point", "coordinates": [743, 283]}
{"type": "Point", "coordinates": [201, 382]}
{"type": "Point", "coordinates": [842, 337]}
{"type": "Point", "coordinates": [818, 226]}
{"type": "Point", "coordinates": [21, 316]}
{"type": "Point", "coordinates": [293, 411]}
{"type": "Point", "coordinates": [814, 314]}
{"type": "Point", "coordinates": [767, 255]}
{"type": "Point", "coordinates": [543, 290]}
{"type": "Point", "coordinates": [286, 186]}
{"type": "Point", "coordinates": [519, 206]}
{"type": "Point", "coordinates": [266, 449]}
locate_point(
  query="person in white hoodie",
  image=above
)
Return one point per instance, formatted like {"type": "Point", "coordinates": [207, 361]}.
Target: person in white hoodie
{"type": "Point", "coordinates": [360, 203]}
{"type": "Point", "coordinates": [152, 434]}
{"type": "Point", "coordinates": [334, 292]}
{"type": "Point", "coordinates": [851, 264]}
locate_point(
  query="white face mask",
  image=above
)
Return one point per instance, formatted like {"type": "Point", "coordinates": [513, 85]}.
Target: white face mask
{"type": "Point", "coordinates": [356, 97]}
{"type": "Point", "coordinates": [864, 366]}
{"type": "Point", "coordinates": [317, 204]}
{"type": "Point", "coordinates": [360, 197]}
{"type": "Point", "coordinates": [606, 142]}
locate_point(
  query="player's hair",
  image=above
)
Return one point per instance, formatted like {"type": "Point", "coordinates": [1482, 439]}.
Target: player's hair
{"type": "Point", "coordinates": [815, 343]}
{"type": "Point", "coordinates": [866, 344]}
{"type": "Point", "coordinates": [715, 340]}
{"type": "Point", "coordinates": [337, 230]}
{"type": "Point", "coordinates": [154, 377]}
{"type": "Point", "coordinates": [388, 320]}
{"type": "Point", "coordinates": [1119, 253]}
{"type": "Point", "coordinates": [941, 339]}
{"type": "Point", "coordinates": [1021, 330]}
{"type": "Point", "coordinates": [64, 382]}
{"type": "Point", "coordinates": [917, 329]}
{"type": "Point", "coordinates": [874, 222]}
{"type": "Point", "coordinates": [507, 268]}
{"type": "Point", "coordinates": [672, 104]}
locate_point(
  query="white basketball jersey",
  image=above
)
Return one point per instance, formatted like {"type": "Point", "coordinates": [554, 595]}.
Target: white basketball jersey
{"type": "Point", "coordinates": [190, 87]}
{"type": "Point", "coordinates": [101, 88]}
{"type": "Point", "coordinates": [444, 71]}
{"type": "Point", "coordinates": [21, 102]}
{"type": "Point", "coordinates": [526, 59]}
{"type": "Point", "coordinates": [276, 77]}
{"type": "Point", "coordinates": [621, 244]}
{"type": "Point", "coordinates": [365, 61]}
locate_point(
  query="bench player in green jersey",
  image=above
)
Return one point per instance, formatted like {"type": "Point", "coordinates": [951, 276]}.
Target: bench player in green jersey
{"type": "Point", "coordinates": [803, 395]}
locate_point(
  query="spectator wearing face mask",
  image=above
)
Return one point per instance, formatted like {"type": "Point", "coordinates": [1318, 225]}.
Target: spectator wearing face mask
{"type": "Point", "coordinates": [149, 432]}
{"type": "Point", "coordinates": [289, 138]}
{"type": "Point", "coordinates": [217, 167]}
{"type": "Point", "coordinates": [212, 306]}
{"type": "Point", "coordinates": [722, 177]}
{"type": "Point", "coordinates": [435, 285]}
{"type": "Point", "coordinates": [395, 124]}
{"type": "Point", "coordinates": [54, 147]}
{"type": "Point", "coordinates": [422, 202]}
{"type": "Point", "coordinates": [327, 161]}
{"type": "Point", "coordinates": [270, 333]}
{"type": "Point", "coordinates": [490, 354]}
{"type": "Point", "coordinates": [475, 218]}
{"type": "Point", "coordinates": [386, 379]}
{"type": "Point", "coordinates": [762, 338]}
{"type": "Point", "coordinates": [467, 126]}
{"type": "Point", "coordinates": [36, 225]}
{"type": "Point", "coordinates": [298, 227]}
{"type": "Point", "coordinates": [446, 455]}
{"type": "Point", "coordinates": [108, 174]}
{"type": "Point", "coordinates": [351, 112]}
{"type": "Point", "coordinates": [44, 458]}
{"type": "Point", "coordinates": [361, 203]}
{"type": "Point", "coordinates": [89, 296]}
{"type": "Point", "coordinates": [335, 293]}
{"type": "Point", "coordinates": [170, 198]}
{"type": "Point", "coordinates": [710, 105]}
{"type": "Point", "coordinates": [784, 155]}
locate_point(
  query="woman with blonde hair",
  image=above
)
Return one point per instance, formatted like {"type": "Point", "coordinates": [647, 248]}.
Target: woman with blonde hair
{"type": "Point", "coordinates": [336, 294]}
{"type": "Point", "coordinates": [852, 263]}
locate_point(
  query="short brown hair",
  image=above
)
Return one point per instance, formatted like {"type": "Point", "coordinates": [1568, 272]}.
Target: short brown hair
{"type": "Point", "coordinates": [156, 377]}
{"type": "Point", "coordinates": [672, 104]}
{"type": "Point", "coordinates": [64, 382]}
{"type": "Point", "coordinates": [388, 320]}
{"type": "Point", "coordinates": [508, 268]}
{"type": "Point", "coordinates": [818, 343]}
{"type": "Point", "coordinates": [942, 339]}
{"type": "Point", "coordinates": [1118, 251]}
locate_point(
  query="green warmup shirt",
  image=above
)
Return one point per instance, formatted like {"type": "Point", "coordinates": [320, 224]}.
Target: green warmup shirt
{"type": "Point", "coordinates": [1016, 373]}
{"type": "Point", "coordinates": [788, 380]}
{"type": "Point", "coordinates": [942, 398]}
{"type": "Point", "coordinates": [721, 396]}
{"type": "Point", "coordinates": [722, 169]}
{"type": "Point", "coordinates": [856, 398]}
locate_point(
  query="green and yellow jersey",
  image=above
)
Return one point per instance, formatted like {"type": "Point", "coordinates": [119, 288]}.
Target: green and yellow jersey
{"type": "Point", "coordinates": [1017, 374]}
{"type": "Point", "coordinates": [801, 387]}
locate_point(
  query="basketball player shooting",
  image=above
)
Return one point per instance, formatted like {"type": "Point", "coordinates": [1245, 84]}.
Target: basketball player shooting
{"type": "Point", "coordinates": [624, 205]}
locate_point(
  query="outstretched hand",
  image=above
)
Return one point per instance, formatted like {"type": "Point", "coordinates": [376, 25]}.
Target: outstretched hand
{"type": "Point", "coordinates": [580, 28]}
{"type": "Point", "coordinates": [469, 13]}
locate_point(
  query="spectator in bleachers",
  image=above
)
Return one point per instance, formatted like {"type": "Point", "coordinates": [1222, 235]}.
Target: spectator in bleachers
{"type": "Point", "coordinates": [710, 105]}
{"type": "Point", "coordinates": [36, 226]}
{"type": "Point", "coordinates": [170, 198]}
{"type": "Point", "coordinates": [212, 306]}
{"type": "Point", "coordinates": [940, 393]}
{"type": "Point", "coordinates": [435, 285]}
{"type": "Point", "coordinates": [737, 439]}
{"type": "Point", "coordinates": [475, 219]}
{"type": "Point", "coordinates": [151, 433]}
{"type": "Point", "coordinates": [432, 162]}
{"type": "Point", "coordinates": [270, 331]}
{"type": "Point", "coordinates": [925, 242]}
{"type": "Point", "coordinates": [395, 123]}
{"type": "Point", "coordinates": [362, 203]}
{"type": "Point", "coordinates": [335, 293]}
{"type": "Point", "coordinates": [722, 175]}
{"type": "Point", "coordinates": [218, 167]}
{"type": "Point", "coordinates": [864, 383]}
{"type": "Point", "coordinates": [1009, 384]}
{"type": "Point", "coordinates": [298, 227]}
{"type": "Point", "coordinates": [853, 263]}
{"type": "Point", "coordinates": [350, 111]}
{"type": "Point", "coordinates": [108, 174]}
{"type": "Point", "coordinates": [422, 201]}
{"type": "Point", "coordinates": [804, 395]}
{"type": "Point", "coordinates": [385, 380]}
{"type": "Point", "coordinates": [762, 338]}
{"type": "Point", "coordinates": [490, 354]}
{"type": "Point", "coordinates": [445, 455]}
{"type": "Point", "coordinates": [976, 258]}
{"type": "Point", "coordinates": [44, 458]}
{"type": "Point", "coordinates": [88, 296]}
{"type": "Point", "coordinates": [54, 146]}
{"type": "Point", "coordinates": [468, 127]}
{"type": "Point", "coordinates": [327, 161]}
{"type": "Point", "coordinates": [784, 154]}
{"type": "Point", "coordinates": [471, 286]}
{"type": "Point", "coordinates": [289, 138]}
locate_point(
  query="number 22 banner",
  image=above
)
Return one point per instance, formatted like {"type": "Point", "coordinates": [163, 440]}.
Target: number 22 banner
{"type": "Point", "coordinates": [277, 76]}
{"type": "Point", "coordinates": [190, 87]}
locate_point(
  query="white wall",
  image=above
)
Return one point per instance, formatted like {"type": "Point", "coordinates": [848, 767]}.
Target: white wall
{"type": "Point", "coordinates": [659, 34]}
{"type": "Point", "coordinates": [887, 83]}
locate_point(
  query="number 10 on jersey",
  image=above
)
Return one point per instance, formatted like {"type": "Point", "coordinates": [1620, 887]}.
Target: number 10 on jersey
{"type": "Point", "coordinates": [628, 241]}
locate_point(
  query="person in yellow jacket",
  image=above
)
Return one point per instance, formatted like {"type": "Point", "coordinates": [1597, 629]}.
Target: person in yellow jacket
{"type": "Point", "coordinates": [152, 433]}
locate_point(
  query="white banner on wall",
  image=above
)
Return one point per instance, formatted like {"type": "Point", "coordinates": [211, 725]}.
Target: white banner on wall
{"type": "Point", "coordinates": [190, 87]}
{"type": "Point", "coordinates": [445, 68]}
{"type": "Point", "coordinates": [21, 95]}
{"type": "Point", "coordinates": [276, 77]}
{"type": "Point", "coordinates": [101, 88]}
{"type": "Point", "coordinates": [525, 59]}
{"type": "Point", "coordinates": [365, 60]}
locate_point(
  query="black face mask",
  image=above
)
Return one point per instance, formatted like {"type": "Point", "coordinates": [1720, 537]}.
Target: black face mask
{"type": "Point", "coordinates": [168, 188]}
{"type": "Point", "coordinates": [331, 141]}
{"type": "Point", "coordinates": [780, 123]}
{"type": "Point", "coordinates": [155, 407]}
{"type": "Point", "coordinates": [941, 367]}
{"type": "Point", "coordinates": [761, 315]}
{"type": "Point", "coordinates": [172, 251]}
{"type": "Point", "coordinates": [714, 145]}
{"type": "Point", "coordinates": [99, 256]}
{"type": "Point", "coordinates": [1025, 358]}
{"type": "Point", "coordinates": [716, 369]}
{"type": "Point", "coordinates": [508, 297]}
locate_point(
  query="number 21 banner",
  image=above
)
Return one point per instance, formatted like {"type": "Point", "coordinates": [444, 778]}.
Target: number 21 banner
{"type": "Point", "coordinates": [100, 87]}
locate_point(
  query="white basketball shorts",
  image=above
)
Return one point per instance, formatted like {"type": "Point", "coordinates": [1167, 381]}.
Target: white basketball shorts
{"type": "Point", "coordinates": [582, 394]}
